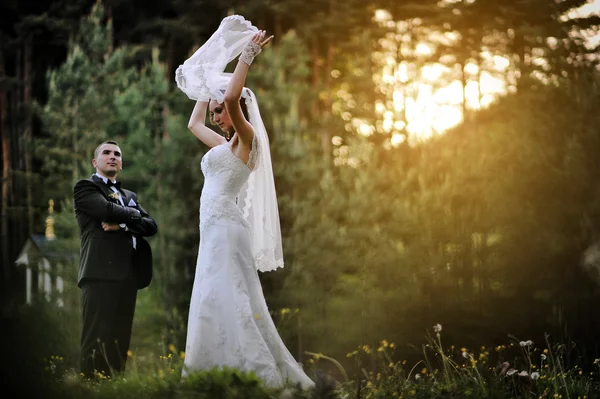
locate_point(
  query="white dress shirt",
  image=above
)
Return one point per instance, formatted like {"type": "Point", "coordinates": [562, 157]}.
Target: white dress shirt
{"type": "Point", "coordinates": [113, 188]}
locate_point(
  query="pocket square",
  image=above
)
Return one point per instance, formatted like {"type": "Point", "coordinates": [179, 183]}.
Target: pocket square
{"type": "Point", "coordinates": [131, 203]}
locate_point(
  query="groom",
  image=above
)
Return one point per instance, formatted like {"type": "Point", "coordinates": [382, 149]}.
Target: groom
{"type": "Point", "coordinates": [115, 262]}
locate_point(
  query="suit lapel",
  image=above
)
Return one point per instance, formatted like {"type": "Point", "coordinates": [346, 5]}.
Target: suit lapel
{"type": "Point", "coordinates": [124, 196]}
{"type": "Point", "coordinates": [105, 189]}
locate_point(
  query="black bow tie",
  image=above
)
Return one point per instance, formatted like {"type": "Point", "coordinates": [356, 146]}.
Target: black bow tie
{"type": "Point", "coordinates": [109, 183]}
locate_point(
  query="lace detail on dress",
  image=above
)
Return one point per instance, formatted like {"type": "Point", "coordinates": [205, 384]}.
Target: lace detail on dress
{"type": "Point", "coordinates": [222, 338]}
{"type": "Point", "coordinates": [213, 209]}
{"type": "Point", "coordinates": [265, 264]}
{"type": "Point", "coordinates": [225, 174]}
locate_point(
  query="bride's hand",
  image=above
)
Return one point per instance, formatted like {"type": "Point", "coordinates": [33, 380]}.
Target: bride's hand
{"type": "Point", "coordinates": [259, 38]}
{"type": "Point", "coordinates": [254, 47]}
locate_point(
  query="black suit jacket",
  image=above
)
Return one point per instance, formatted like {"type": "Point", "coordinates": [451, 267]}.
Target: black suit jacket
{"type": "Point", "coordinates": [109, 255]}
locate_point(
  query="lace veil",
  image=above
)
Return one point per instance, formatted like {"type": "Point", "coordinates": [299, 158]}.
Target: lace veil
{"type": "Point", "coordinates": [201, 78]}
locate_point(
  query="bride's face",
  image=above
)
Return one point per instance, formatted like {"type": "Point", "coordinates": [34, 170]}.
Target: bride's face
{"type": "Point", "coordinates": [219, 116]}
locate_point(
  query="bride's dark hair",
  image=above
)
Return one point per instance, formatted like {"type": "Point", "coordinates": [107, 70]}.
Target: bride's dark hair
{"type": "Point", "coordinates": [244, 108]}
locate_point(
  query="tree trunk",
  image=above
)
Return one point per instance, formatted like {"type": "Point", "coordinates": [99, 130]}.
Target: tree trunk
{"type": "Point", "coordinates": [522, 81]}
{"type": "Point", "coordinates": [326, 133]}
{"type": "Point", "coordinates": [76, 150]}
{"type": "Point", "coordinates": [463, 81]}
{"type": "Point", "coordinates": [400, 86]}
{"type": "Point", "coordinates": [278, 31]}
{"type": "Point", "coordinates": [6, 178]}
{"type": "Point", "coordinates": [479, 60]}
{"type": "Point", "coordinates": [109, 17]}
{"type": "Point", "coordinates": [27, 131]}
{"type": "Point", "coordinates": [165, 265]}
{"type": "Point", "coordinates": [17, 225]}
{"type": "Point", "coordinates": [170, 70]}
{"type": "Point", "coordinates": [300, 355]}
{"type": "Point", "coordinates": [319, 108]}
{"type": "Point", "coordinates": [479, 92]}
{"type": "Point", "coordinates": [315, 75]}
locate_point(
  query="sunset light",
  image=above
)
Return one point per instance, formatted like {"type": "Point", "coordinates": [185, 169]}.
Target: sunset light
{"type": "Point", "coordinates": [426, 98]}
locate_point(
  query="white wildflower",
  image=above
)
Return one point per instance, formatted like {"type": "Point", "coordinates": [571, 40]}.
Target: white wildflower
{"type": "Point", "coordinates": [437, 328]}
{"type": "Point", "coordinates": [535, 375]}
{"type": "Point", "coordinates": [417, 376]}
{"type": "Point", "coordinates": [465, 355]}
{"type": "Point", "coordinates": [526, 343]}
{"type": "Point", "coordinates": [543, 357]}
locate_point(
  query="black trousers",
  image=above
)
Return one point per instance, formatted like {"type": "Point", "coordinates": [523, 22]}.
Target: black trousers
{"type": "Point", "coordinates": [108, 308]}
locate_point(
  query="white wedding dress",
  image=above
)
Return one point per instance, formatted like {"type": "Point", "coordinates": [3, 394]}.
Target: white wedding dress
{"type": "Point", "coordinates": [229, 323]}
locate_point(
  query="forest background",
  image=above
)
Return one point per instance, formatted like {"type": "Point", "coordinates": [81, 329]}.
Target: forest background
{"type": "Point", "coordinates": [435, 161]}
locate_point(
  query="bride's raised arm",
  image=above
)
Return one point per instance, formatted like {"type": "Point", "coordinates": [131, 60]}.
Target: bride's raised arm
{"type": "Point", "coordinates": [234, 89]}
{"type": "Point", "coordinates": [197, 126]}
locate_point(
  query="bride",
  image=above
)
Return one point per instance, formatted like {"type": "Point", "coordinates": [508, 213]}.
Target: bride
{"type": "Point", "coordinates": [229, 323]}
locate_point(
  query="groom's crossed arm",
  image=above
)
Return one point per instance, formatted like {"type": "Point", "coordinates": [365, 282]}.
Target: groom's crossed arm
{"type": "Point", "coordinates": [89, 200]}
{"type": "Point", "coordinates": [147, 226]}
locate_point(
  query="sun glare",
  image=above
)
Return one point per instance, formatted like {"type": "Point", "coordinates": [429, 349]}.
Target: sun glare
{"type": "Point", "coordinates": [425, 99]}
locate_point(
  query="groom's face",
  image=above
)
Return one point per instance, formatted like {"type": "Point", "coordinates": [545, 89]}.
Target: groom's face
{"type": "Point", "coordinates": [108, 160]}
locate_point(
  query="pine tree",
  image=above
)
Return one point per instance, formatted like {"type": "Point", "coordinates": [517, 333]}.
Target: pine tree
{"type": "Point", "coordinates": [80, 111]}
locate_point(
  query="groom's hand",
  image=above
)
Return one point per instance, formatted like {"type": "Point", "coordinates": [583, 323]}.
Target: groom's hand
{"type": "Point", "coordinates": [110, 226]}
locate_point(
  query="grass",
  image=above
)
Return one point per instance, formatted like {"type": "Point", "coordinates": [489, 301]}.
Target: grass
{"type": "Point", "coordinates": [44, 366]}
{"type": "Point", "coordinates": [518, 369]}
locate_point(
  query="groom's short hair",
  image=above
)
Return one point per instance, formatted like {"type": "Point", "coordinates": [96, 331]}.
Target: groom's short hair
{"type": "Point", "coordinates": [101, 144]}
